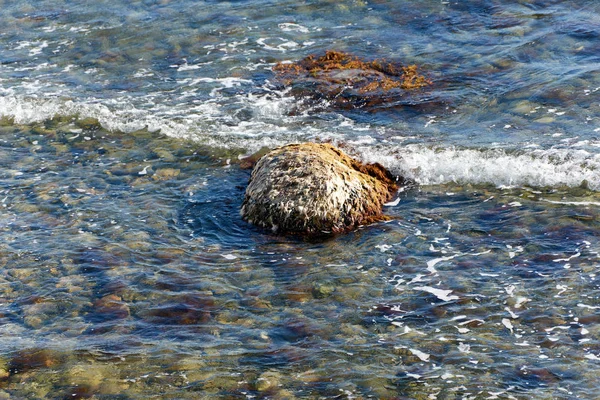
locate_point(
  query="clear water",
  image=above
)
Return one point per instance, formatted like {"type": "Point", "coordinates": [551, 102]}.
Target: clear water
{"type": "Point", "coordinates": [126, 271]}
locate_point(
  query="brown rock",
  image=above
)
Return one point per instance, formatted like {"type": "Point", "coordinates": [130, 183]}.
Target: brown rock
{"type": "Point", "coordinates": [315, 188]}
{"type": "Point", "coordinates": [346, 80]}
{"type": "Point", "coordinates": [112, 307]}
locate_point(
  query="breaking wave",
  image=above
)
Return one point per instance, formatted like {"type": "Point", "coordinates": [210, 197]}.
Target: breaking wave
{"type": "Point", "coordinates": [264, 120]}
{"type": "Point", "coordinates": [500, 167]}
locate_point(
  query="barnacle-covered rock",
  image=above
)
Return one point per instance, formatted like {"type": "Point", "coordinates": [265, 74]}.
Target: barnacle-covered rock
{"type": "Point", "coordinates": [312, 188]}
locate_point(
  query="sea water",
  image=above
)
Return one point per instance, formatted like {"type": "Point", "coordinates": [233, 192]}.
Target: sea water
{"type": "Point", "coordinates": [127, 272]}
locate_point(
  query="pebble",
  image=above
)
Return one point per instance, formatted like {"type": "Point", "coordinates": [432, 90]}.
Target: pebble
{"type": "Point", "coordinates": [164, 174]}
{"type": "Point", "coordinates": [268, 380]}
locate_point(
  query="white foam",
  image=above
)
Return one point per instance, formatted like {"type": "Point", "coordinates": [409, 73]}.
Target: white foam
{"type": "Point", "coordinates": [205, 122]}
{"type": "Point", "coordinates": [431, 263]}
{"type": "Point", "coordinates": [464, 348]}
{"type": "Point", "coordinates": [441, 294]}
{"type": "Point", "coordinates": [526, 167]}
{"type": "Point", "coordinates": [588, 306]}
{"type": "Point", "coordinates": [568, 258]}
{"type": "Point", "coordinates": [420, 354]}
{"type": "Point", "coordinates": [272, 124]}
{"type": "Point", "coordinates": [573, 203]}
{"type": "Point", "coordinates": [506, 322]}
{"type": "Point", "coordinates": [291, 27]}
{"type": "Point", "coordinates": [282, 47]}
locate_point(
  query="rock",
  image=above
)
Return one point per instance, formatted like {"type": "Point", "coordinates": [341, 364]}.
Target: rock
{"type": "Point", "coordinates": [267, 381]}
{"type": "Point", "coordinates": [322, 290]}
{"type": "Point", "coordinates": [111, 307]}
{"type": "Point", "coordinates": [88, 124]}
{"type": "Point", "coordinates": [248, 162]}
{"type": "Point", "coordinates": [4, 369]}
{"type": "Point", "coordinates": [166, 174]}
{"type": "Point", "coordinates": [313, 189]}
{"type": "Point", "coordinates": [348, 81]}
{"type": "Point", "coordinates": [28, 359]}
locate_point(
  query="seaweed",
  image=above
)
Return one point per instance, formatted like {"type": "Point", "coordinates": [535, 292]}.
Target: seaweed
{"type": "Point", "coordinates": [367, 76]}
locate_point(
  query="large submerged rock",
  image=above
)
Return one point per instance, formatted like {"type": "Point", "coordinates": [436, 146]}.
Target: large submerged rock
{"type": "Point", "coordinates": [315, 188]}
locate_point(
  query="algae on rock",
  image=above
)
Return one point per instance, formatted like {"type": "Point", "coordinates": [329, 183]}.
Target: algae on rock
{"type": "Point", "coordinates": [346, 80]}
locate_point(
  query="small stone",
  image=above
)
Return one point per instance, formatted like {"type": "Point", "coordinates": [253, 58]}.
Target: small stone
{"type": "Point", "coordinates": [89, 375]}
{"type": "Point", "coordinates": [545, 120]}
{"type": "Point", "coordinates": [25, 208]}
{"type": "Point", "coordinates": [137, 240]}
{"type": "Point", "coordinates": [268, 380]}
{"type": "Point", "coordinates": [90, 124]}
{"type": "Point", "coordinates": [112, 307]}
{"type": "Point", "coordinates": [524, 107]}
{"type": "Point", "coordinates": [166, 174]}
{"type": "Point", "coordinates": [7, 121]}
{"type": "Point", "coordinates": [284, 394]}
{"type": "Point", "coordinates": [30, 359]}
{"type": "Point", "coordinates": [322, 290]}
{"type": "Point", "coordinates": [139, 245]}
{"type": "Point", "coordinates": [33, 321]}
{"type": "Point", "coordinates": [164, 154]}
{"type": "Point", "coordinates": [4, 369]}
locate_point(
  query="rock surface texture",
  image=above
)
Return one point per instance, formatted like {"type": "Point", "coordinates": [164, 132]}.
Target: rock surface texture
{"type": "Point", "coordinates": [315, 188]}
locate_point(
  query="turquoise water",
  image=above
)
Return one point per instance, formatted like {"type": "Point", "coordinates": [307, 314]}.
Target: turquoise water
{"type": "Point", "coordinates": [126, 271]}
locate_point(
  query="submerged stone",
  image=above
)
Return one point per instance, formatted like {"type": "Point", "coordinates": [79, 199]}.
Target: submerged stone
{"type": "Point", "coordinates": [315, 188]}
{"type": "Point", "coordinates": [88, 124]}
{"type": "Point", "coordinates": [267, 381]}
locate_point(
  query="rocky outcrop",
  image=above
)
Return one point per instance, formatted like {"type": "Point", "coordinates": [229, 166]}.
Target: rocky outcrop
{"type": "Point", "coordinates": [315, 188]}
{"type": "Point", "coordinates": [348, 81]}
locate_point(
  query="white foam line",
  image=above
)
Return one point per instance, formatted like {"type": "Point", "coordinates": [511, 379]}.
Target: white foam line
{"type": "Point", "coordinates": [525, 167]}
{"type": "Point", "coordinates": [291, 27]}
{"type": "Point", "coordinates": [573, 203]}
{"type": "Point", "coordinates": [431, 263]}
{"type": "Point", "coordinates": [567, 259]}
{"type": "Point", "coordinates": [587, 306]}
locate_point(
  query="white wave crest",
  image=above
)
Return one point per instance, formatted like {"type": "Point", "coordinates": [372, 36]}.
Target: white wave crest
{"type": "Point", "coordinates": [539, 168]}
{"type": "Point", "coordinates": [209, 122]}
{"type": "Point", "coordinates": [29, 110]}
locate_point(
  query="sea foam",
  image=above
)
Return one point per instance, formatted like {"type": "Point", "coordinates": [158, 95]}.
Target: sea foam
{"type": "Point", "coordinates": [270, 125]}
{"type": "Point", "coordinates": [553, 167]}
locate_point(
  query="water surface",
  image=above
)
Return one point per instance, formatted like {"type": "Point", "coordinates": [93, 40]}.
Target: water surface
{"type": "Point", "coordinates": [128, 273]}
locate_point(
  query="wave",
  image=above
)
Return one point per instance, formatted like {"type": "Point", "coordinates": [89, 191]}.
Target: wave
{"type": "Point", "coordinates": [556, 167]}
{"type": "Point", "coordinates": [26, 111]}
{"type": "Point", "coordinates": [264, 120]}
{"type": "Point", "coordinates": [209, 121]}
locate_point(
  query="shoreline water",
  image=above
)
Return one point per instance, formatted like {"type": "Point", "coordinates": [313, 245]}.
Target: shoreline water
{"type": "Point", "coordinates": [127, 272]}
{"type": "Point", "coordinates": [158, 280]}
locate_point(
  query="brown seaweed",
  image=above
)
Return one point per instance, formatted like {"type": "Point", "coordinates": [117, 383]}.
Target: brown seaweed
{"type": "Point", "coordinates": [336, 72]}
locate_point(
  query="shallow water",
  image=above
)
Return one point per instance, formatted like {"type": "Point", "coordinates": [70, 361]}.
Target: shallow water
{"type": "Point", "coordinates": [128, 273]}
